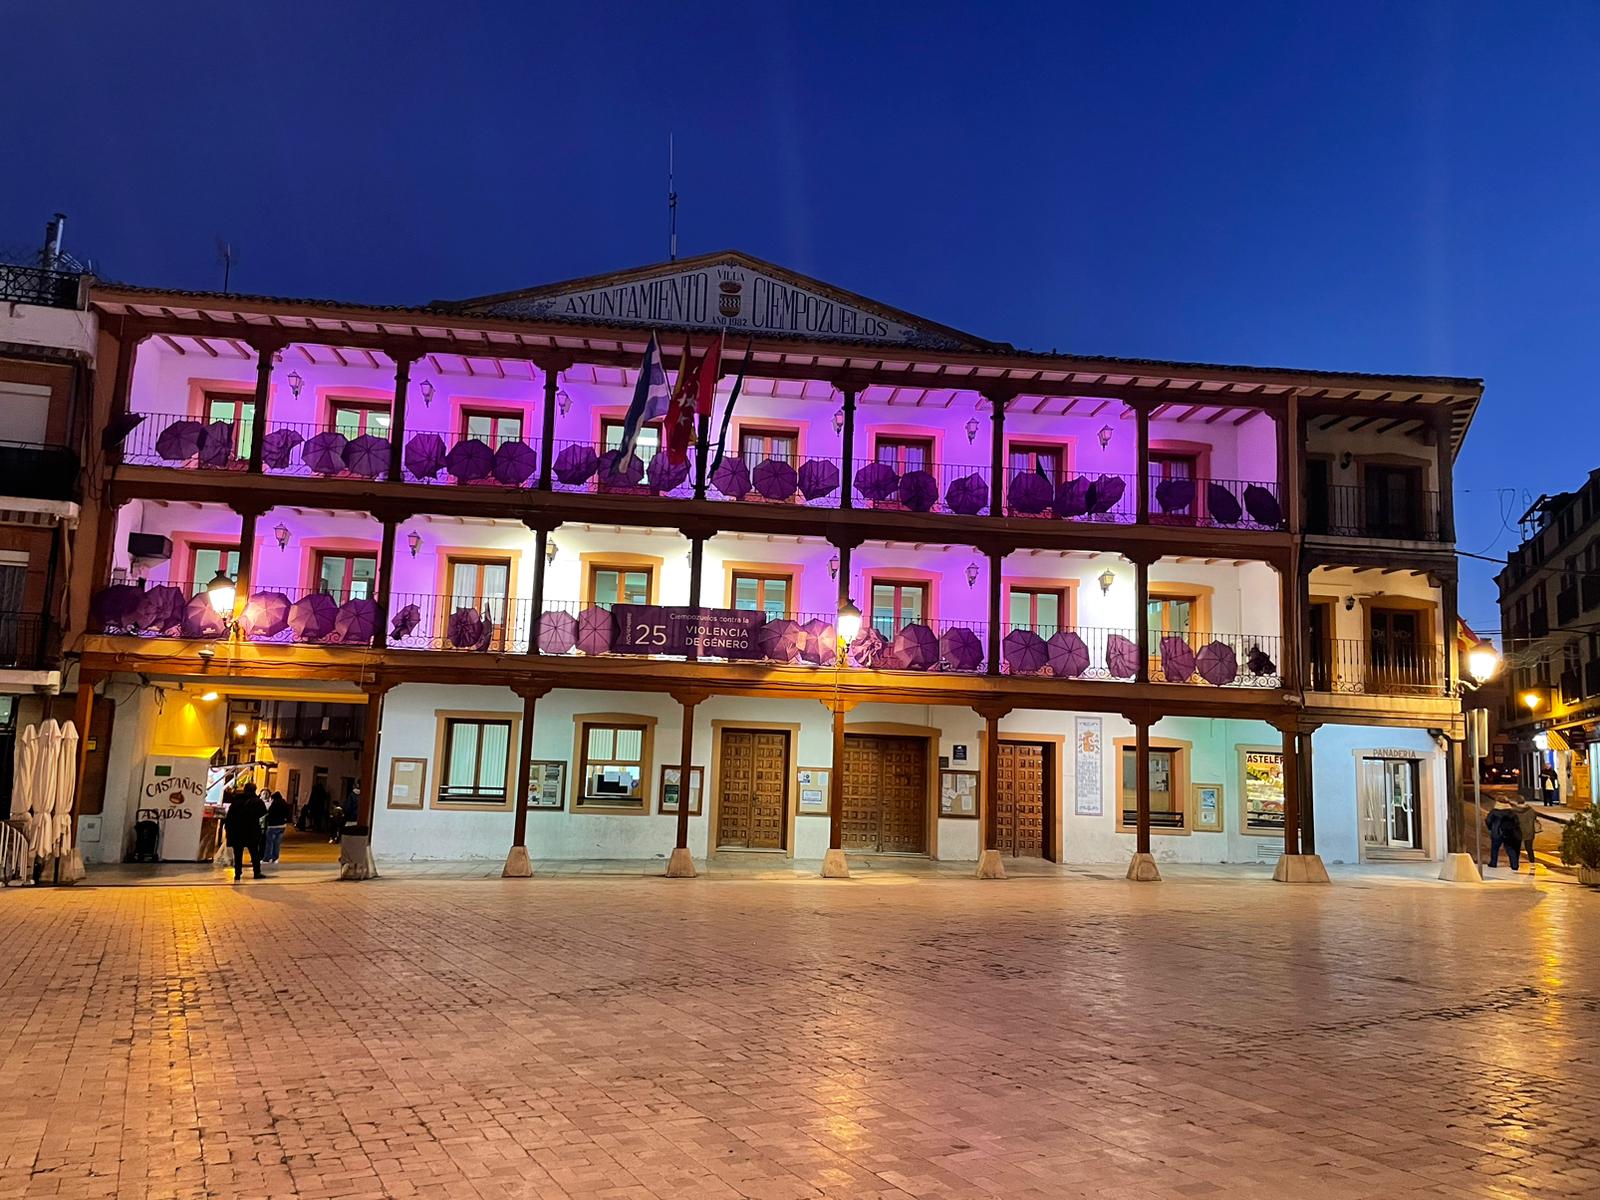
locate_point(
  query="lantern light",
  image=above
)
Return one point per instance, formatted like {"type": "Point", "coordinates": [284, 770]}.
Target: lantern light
{"type": "Point", "coordinates": [550, 550]}
{"type": "Point", "coordinates": [281, 533]}
{"type": "Point", "coordinates": [1482, 662]}
{"type": "Point", "coordinates": [972, 429]}
{"type": "Point", "coordinates": [414, 541]}
{"type": "Point", "coordinates": [838, 420]}
{"type": "Point", "coordinates": [972, 574]}
{"type": "Point", "coordinates": [833, 567]}
{"type": "Point", "coordinates": [240, 729]}
{"type": "Point", "coordinates": [563, 402]}
{"type": "Point", "coordinates": [426, 387]}
{"type": "Point", "coordinates": [1105, 436]}
{"type": "Point", "coordinates": [1106, 580]}
{"type": "Point", "coordinates": [295, 384]}
{"type": "Point", "coordinates": [849, 621]}
{"type": "Point", "coordinates": [221, 592]}
{"type": "Point", "coordinates": [1531, 700]}
{"type": "Point", "coordinates": [208, 697]}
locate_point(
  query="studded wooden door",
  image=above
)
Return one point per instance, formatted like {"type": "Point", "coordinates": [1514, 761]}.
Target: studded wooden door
{"type": "Point", "coordinates": [885, 794]}
{"type": "Point", "coordinates": [1020, 800]}
{"type": "Point", "coordinates": [752, 789]}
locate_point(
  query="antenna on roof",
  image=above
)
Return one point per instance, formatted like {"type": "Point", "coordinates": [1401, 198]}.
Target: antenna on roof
{"type": "Point", "coordinates": [226, 256]}
{"type": "Point", "coordinates": [672, 206]}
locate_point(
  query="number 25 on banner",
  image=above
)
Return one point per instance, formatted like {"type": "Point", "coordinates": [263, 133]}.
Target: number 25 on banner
{"type": "Point", "coordinates": [648, 633]}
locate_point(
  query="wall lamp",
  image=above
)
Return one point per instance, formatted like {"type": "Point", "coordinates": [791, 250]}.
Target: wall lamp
{"type": "Point", "coordinates": [833, 567]}
{"type": "Point", "coordinates": [550, 550]}
{"type": "Point", "coordinates": [295, 384]}
{"type": "Point", "coordinates": [1106, 580]}
{"type": "Point", "coordinates": [281, 533]}
{"type": "Point", "coordinates": [426, 388]}
{"type": "Point", "coordinates": [414, 541]}
{"type": "Point", "coordinates": [972, 429]}
{"type": "Point", "coordinates": [1104, 436]}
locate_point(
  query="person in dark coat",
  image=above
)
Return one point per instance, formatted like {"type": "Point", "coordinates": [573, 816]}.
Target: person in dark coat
{"type": "Point", "coordinates": [277, 821]}
{"type": "Point", "coordinates": [1527, 828]}
{"type": "Point", "coordinates": [243, 824]}
{"type": "Point", "coordinates": [1504, 830]}
{"type": "Point", "coordinates": [317, 807]}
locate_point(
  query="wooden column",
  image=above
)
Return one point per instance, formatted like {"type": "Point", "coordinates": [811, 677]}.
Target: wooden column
{"type": "Point", "coordinates": [997, 453]}
{"type": "Point", "coordinates": [371, 726]}
{"type": "Point", "coordinates": [997, 559]}
{"type": "Point", "coordinates": [1294, 653]}
{"type": "Point", "coordinates": [380, 637]}
{"type": "Point", "coordinates": [1447, 486]}
{"type": "Point", "coordinates": [1141, 420]}
{"type": "Point", "coordinates": [121, 381]}
{"type": "Point", "coordinates": [1291, 791]}
{"type": "Point", "coordinates": [1291, 463]}
{"type": "Point", "coordinates": [1448, 618]}
{"type": "Point", "coordinates": [702, 453]}
{"type": "Point", "coordinates": [518, 865]}
{"type": "Point", "coordinates": [1308, 810]}
{"type": "Point", "coordinates": [541, 546]}
{"type": "Point", "coordinates": [247, 559]}
{"type": "Point", "coordinates": [847, 447]}
{"type": "Point", "coordinates": [547, 436]}
{"type": "Point", "coordinates": [397, 416]}
{"type": "Point", "coordinates": [1141, 785]}
{"type": "Point", "coordinates": [82, 714]}
{"type": "Point", "coordinates": [1141, 616]}
{"type": "Point", "coordinates": [989, 864]}
{"type": "Point", "coordinates": [836, 781]}
{"type": "Point", "coordinates": [258, 428]}
{"type": "Point", "coordinates": [685, 760]}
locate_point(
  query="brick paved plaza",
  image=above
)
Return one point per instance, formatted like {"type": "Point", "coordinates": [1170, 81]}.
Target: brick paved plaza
{"type": "Point", "coordinates": [890, 1036]}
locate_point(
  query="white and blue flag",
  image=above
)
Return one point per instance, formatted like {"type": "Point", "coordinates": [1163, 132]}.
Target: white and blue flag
{"type": "Point", "coordinates": [651, 396]}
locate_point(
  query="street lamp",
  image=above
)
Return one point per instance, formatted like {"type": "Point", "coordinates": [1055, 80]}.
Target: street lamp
{"type": "Point", "coordinates": [1532, 700]}
{"type": "Point", "coordinates": [221, 592]}
{"type": "Point", "coordinates": [1482, 662]}
{"type": "Point", "coordinates": [849, 621]}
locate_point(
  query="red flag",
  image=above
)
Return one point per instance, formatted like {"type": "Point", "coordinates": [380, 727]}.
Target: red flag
{"type": "Point", "coordinates": [678, 428]}
{"type": "Point", "coordinates": [706, 376]}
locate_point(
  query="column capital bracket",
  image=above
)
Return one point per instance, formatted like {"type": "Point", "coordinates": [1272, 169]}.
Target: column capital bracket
{"type": "Point", "coordinates": [701, 530]}
{"type": "Point", "coordinates": [851, 383]}
{"type": "Point", "coordinates": [541, 522]}
{"type": "Point", "coordinates": [266, 344]}
{"type": "Point", "coordinates": [846, 541]}
{"type": "Point", "coordinates": [689, 697]}
{"type": "Point", "coordinates": [375, 688]}
{"type": "Point", "coordinates": [249, 508]}
{"type": "Point", "coordinates": [533, 691]}
{"type": "Point", "coordinates": [553, 363]}
{"type": "Point", "coordinates": [838, 704]}
{"type": "Point", "coordinates": [993, 710]}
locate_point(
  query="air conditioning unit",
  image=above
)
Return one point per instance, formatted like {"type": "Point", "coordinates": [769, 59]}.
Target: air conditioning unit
{"type": "Point", "coordinates": [149, 547]}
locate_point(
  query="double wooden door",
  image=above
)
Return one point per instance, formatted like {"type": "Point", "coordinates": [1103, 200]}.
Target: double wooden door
{"type": "Point", "coordinates": [1020, 800]}
{"type": "Point", "coordinates": [753, 789]}
{"type": "Point", "coordinates": [885, 794]}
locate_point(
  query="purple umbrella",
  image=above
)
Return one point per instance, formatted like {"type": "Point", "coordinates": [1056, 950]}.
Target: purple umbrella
{"type": "Point", "coordinates": [558, 632]}
{"type": "Point", "coordinates": [514, 463]}
{"type": "Point", "coordinates": [732, 478]}
{"type": "Point", "coordinates": [596, 629]}
{"type": "Point", "coordinates": [356, 622]}
{"type": "Point", "coordinates": [877, 481]}
{"type": "Point", "coordinates": [1072, 498]}
{"type": "Point", "coordinates": [216, 444]}
{"type": "Point", "coordinates": [113, 607]}
{"type": "Point", "coordinates": [779, 640]}
{"type": "Point", "coordinates": [818, 478]}
{"type": "Point", "coordinates": [277, 446]}
{"type": "Point", "coordinates": [180, 441]}
{"type": "Point", "coordinates": [1217, 664]}
{"type": "Point", "coordinates": [200, 620]}
{"type": "Point", "coordinates": [1024, 651]}
{"type": "Point", "coordinates": [1222, 504]}
{"type": "Point", "coordinates": [367, 456]}
{"type": "Point", "coordinates": [424, 455]}
{"type": "Point", "coordinates": [1122, 657]}
{"type": "Point", "coordinates": [486, 630]}
{"type": "Point", "coordinates": [464, 627]}
{"type": "Point", "coordinates": [1068, 654]}
{"type": "Point", "coordinates": [773, 479]}
{"type": "Point", "coordinates": [1030, 492]}
{"type": "Point", "coordinates": [915, 647]}
{"type": "Point", "coordinates": [960, 649]}
{"type": "Point", "coordinates": [1262, 506]}
{"type": "Point", "coordinates": [312, 617]}
{"type": "Point", "coordinates": [1177, 660]}
{"type": "Point", "coordinates": [1105, 492]}
{"type": "Point", "coordinates": [869, 647]}
{"type": "Point", "coordinates": [614, 472]}
{"type": "Point", "coordinates": [575, 464]}
{"type": "Point", "coordinates": [469, 460]}
{"type": "Point", "coordinates": [406, 620]}
{"type": "Point", "coordinates": [160, 610]}
{"type": "Point", "coordinates": [663, 474]}
{"type": "Point", "coordinates": [1259, 663]}
{"type": "Point", "coordinates": [1175, 495]}
{"type": "Point", "coordinates": [968, 495]}
{"type": "Point", "coordinates": [266, 615]}
{"type": "Point", "coordinates": [324, 453]}
{"type": "Point", "coordinates": [818, 642]}
{"type": "Point", "coordinates": [918, 490]}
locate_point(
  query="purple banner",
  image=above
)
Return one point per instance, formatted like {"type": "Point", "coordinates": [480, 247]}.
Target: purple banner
{"type": "Point", "coordinates": [678, 629]}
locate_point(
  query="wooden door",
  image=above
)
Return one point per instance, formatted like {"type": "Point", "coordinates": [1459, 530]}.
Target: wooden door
{"type": "Point", "coordinates": [1020, 800]}
{"type": "Point", "coordinates": [753, 789]}
{"type": "Point", "coordinates": [885, 794]}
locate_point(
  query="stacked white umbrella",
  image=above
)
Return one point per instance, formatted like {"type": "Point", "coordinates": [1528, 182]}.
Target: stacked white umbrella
{"type": "Point", "coordinates": [46, 780]}
{"type": "Point", "coordinates": [69, 859]}
{"type": "Point", "coordinates": [40, 795]}
{"type": "Point", "coordinates": [26, 766]}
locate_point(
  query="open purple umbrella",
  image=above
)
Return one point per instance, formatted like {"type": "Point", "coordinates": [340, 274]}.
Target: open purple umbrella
{"type": "Point", "coordinates": [663, 474]}
{"type": "Point", "coordinates": [773, 479]}
{"type": "Point", "coordinates": [464, 627]}
{"type": "Point", "coordinates": [405, 621]}
{"type": "Point", "coordinates": [200, 620]}
{"type": "Point", "coordinates": [367, 456]}
{"type": "Point", "coordinates": [469, 460]}
{"type": "Point", "coordinates": [915, 647]}
{"type": "Point", "coordinates": [877, 481]}
{"type": "Point", "coordinates": [424, 455]}
{"type": "Point", "coordinates": [1260, 664]}
{"type": "Point", "coordinates": [558, 632]}
{"type": "Point", "coordinates": [265, 615]}
{"type": "Point", "coordinates": [575, 464]}
{"type": "Point", "coordinates": [1105, 492]}
{"type": "Point", "coordinates": [113, 607]}
{"type": "Point", "coordinates": [324, 453]}
{"type": "Point", "coordinates": [596, 629]}
{"type": "Point", "coordinates": [869, 647]}
{"type": "Point", "coordinates": [818, 478]}
{"type": "Point", "coordinates": [277, 447]}
{"type": "Point", "coordinates": [1263, 506]}
{"type": "Point", "coordinates": [613, 472]}
{"type": "Point", "coordinates": [1072, 498]}
{"type": "Point", "coordinates": [312, 617]}
{"type": "Point", "coordinates": [779, 640]}
{"type": "Point", "coordinates": [1068, 655]}
{"type": "Point", "coordinates": [1122, 657]}
{"type": "Point", "coordinates": [216, 444]}
{"type": "Point", "coordinates": [732, 478]}
{"type": "Point", "coordinates": [818, 642]}
{"type": "Point", "coordinates": [1024, 652]}
{"type": "Point", "coordinates": [968, 495]}
{"type": "Point", "coordinates": [1175, 495]}
{"type": "Point", "coordinates": [356, 622]}
{"type": "Point", "coordinates": [514, 463]}
{"type": "Point", "coordinates": [180, 441]}
{"type": "Point", "coordinates": [960, 649]}
{"type": "Point", "coordinates": [1222, 504]}
{"type": "Point", "coordinates": [1217, 664]}
{"type": "Point", "coordinates": [160, 610]}
{"type": "Point", "coordinates": [1177, 660]}
{"type": "Point", "coordinates": [918, 490]}
{"type": "Point", "coordinates": [1029, 492]}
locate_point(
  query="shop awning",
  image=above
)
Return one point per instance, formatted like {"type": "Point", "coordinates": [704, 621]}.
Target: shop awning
{"type": "Point", "coordinates": [1557, 740]}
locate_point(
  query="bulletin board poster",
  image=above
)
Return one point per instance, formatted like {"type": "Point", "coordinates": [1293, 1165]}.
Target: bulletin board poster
{"type": "Point", "coordinates": [1086, 801]}
{"type": "Point", "coordinates": [174, 796]}
{"type": "Point", "coordinates": [1263, 792]}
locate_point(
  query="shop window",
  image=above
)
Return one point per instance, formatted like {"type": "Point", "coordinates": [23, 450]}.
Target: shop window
{"type": "Point", "coordinates": [1261, 772]}
{"type": "Point", "coordinates": [614, 760]}
{"type": "Point", "coordinates": [476, 766]}
{"type": "Point", "coordinates": [771, 594]}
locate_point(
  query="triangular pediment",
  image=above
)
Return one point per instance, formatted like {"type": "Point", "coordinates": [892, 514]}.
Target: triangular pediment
{"type": "Point", "coordinates": [727, 290]}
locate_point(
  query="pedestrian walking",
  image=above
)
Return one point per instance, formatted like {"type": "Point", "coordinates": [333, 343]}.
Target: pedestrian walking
{"type": "Point", "coordinates": [1504, 830]}
{"type": "Point", "coordinates": [1527, 829]}
{"type": "Point", "coordinates": [1550, 792]}
{"type": "Point", "coordinates": [244, 830]}
{"type": "Point", "coordinates": [335, 821]}
{"type": "Point", "coordinates": [277, 821]}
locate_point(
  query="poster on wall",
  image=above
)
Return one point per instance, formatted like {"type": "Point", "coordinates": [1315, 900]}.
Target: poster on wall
{"type": "Point", "coordinates": [1263, 792]}
{"type": "Point", "coordinates": [174, 797]}
{"type": "Point", "coordinates": [1086, 797]}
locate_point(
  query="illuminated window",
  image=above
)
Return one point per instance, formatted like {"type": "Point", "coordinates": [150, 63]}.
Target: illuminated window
{"type": "Point", "coordinates": [477, 762]}
{"type": "Point", "coordinates": [613, 764]}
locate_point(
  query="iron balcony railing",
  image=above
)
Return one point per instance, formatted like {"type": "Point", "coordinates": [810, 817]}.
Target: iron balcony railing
{"type": "Point", "coordinates": [25, 642]}
{"type": "Point", "coordinates": [1348, 511]}
{"type": "Point", "coordinates": [38, 285]}
{"type": "Point", "coordinates": [1215, 503]}
{"type": "Point", "coordinates": [1352, 666]}
{"type": "Point", "coordinates": [37, 471]}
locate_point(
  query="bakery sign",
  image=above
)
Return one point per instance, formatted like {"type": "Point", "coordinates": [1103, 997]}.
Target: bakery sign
{"type": "Point", "coordinates": [727, 295]}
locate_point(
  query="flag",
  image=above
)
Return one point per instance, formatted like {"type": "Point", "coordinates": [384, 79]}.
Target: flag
{"type": "Point", "coordinates": [733, 398]}
{"type": "Point", "coordinates": [706, 376]}
{"type": "Point", "coordinates": [678, 429]}
{"type": "Point", "coordinates": [650, 399]}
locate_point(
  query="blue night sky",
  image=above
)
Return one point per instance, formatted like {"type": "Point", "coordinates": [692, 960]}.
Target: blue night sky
{"type": "Point", "coordinates": [1372, 187]}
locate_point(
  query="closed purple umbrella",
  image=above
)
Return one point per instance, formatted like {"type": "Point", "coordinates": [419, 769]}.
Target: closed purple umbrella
{"type": "Point", "coordinates": [1072, 498]}
{"type": "Point", "coordinates": [469, 460]}
{"type": "Point", "coordinates": [613, 472]}
{"type": "Point", "coordinates": [1217, 664]}
{"type": "Point", "coordinates": [1122, 657]}
{"type": "Point", "coordinates": [312, 617]}
{"type": "Point", "coordinates": [464, 628]}
{"type": "Point", "coordinates": [960, 649]}
{"type": "Point", "coordinates": [1105, 492]}
{"type": "Point", "coordinates": [424, 455]}
{"type": "Point", "coordinates": [200, 620]}
{"type": "Point", "coordinates": [869, 647]}
{"type": "Point", "coordinates": [818, 642]}
{"type": "Point", "coordinates": [1177, 660]}
{"type": "Point", "coordinates": [596, 630]}
{"type": "Point", "coordinates": [877, 481]}
{"type": "Point", "coordinates": [266, 615]}
{"type": "Point", "coordinates": [1263, 506]}
{"type": "Point", "coordinates": [113, 607]}
{"type": "Point", "coordinates": [160, 610]}
{"type": "Point", "coordinates": [1029, 492]}
{"type": "Point", "coordinates": [1068, 655]}
{"type": "Point", "coordinates": [818, 478]}
{"type": "Point", "coordinates": [915, 647]}
{"type": "Point", "coordinates": [1174, 495]}
{"type": "Point", "coordinates": [277, 447]}
{"type": "Point", "coordinates": [779, 640]}
{"type": "Point", "coordinates": [1259, 662]}
{"type": "Point", "coordinates": [732, 478]}
{"type": "Point", "coordinates": [367, 456]}
{"type": "Point", "coordinates": [486, 630]}
{"type": "Point", "coordinates": [968, 495]}
{"type": "Point", "coordinates": [663, 474]}
{"type": "Point", "coordinates": [180, 441]}
{"type": "Point", "coordinates": [514, 463]}
{"type": "Point", "coordinates": [1024, 652]}
{"type": "Point", "coordinates": [216, 444]}
{"type": "Point", "coordinates": [575, 464]}
{"type": "Point", "coordinates": [324, 453]}
{"type": "Point", "coordinates": [558, 632]}
{"type": "Point", "coordinates": [405, 621]}
{"type": "Point", "coordinates": [918, 490]}
{"type": "Point", "coordinates": [1222, 504]}
{"type": "Point", "coordinates": [774, 479]}
{"type": "Point", "coordinates": [356, 622]}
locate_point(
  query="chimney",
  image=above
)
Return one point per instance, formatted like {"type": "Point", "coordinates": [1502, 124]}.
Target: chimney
{"type": "Point", "coordinates": [52, 241]}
